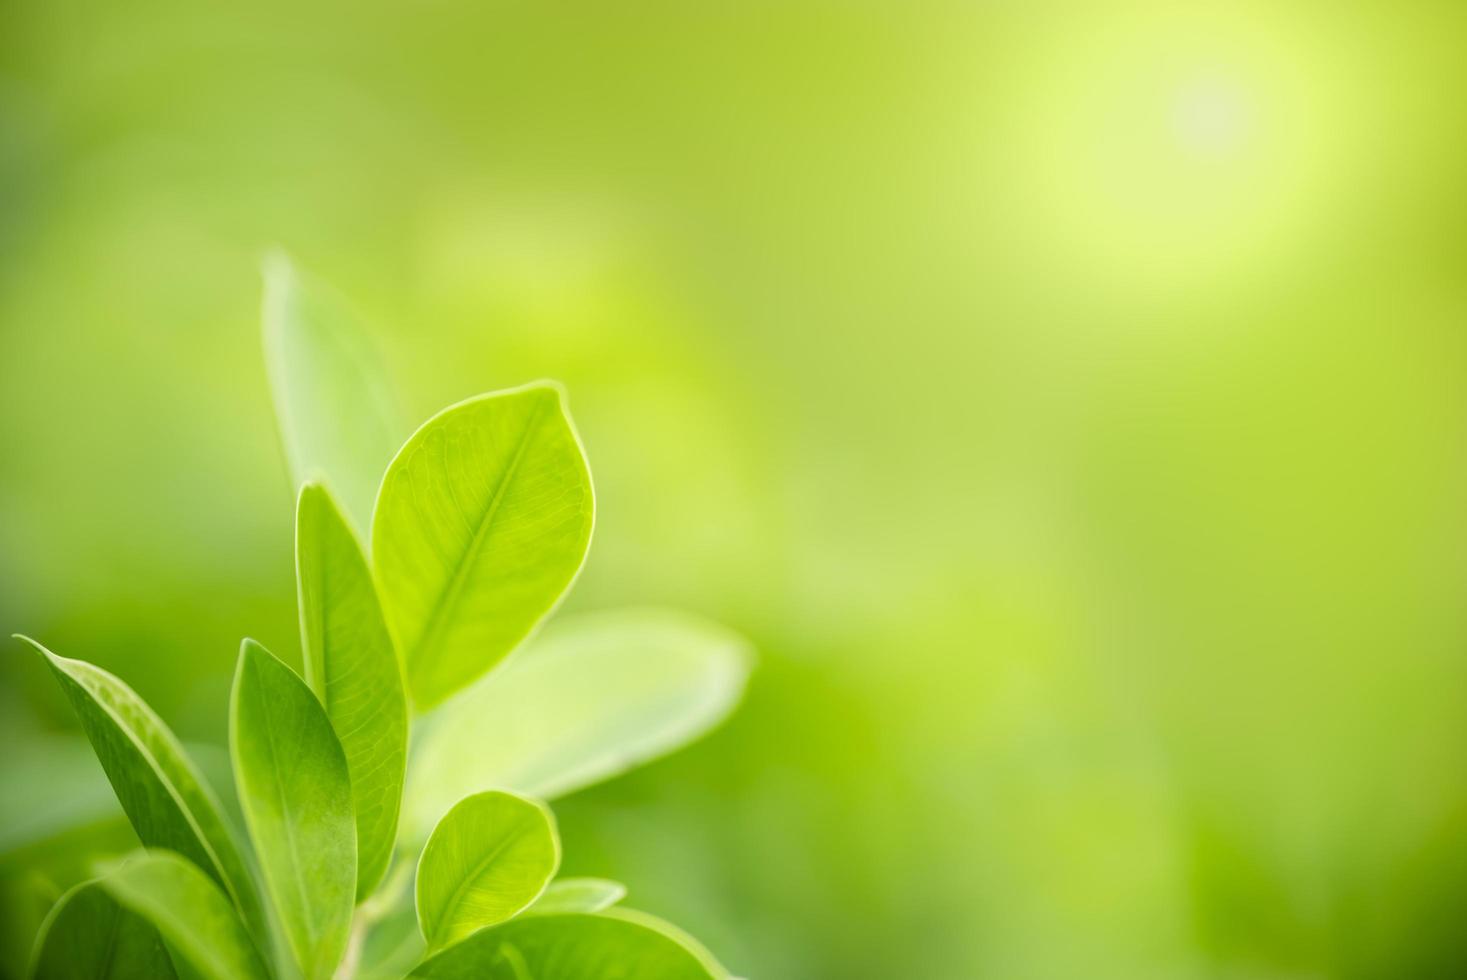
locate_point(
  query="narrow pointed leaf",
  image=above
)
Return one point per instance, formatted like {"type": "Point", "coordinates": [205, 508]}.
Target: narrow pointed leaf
{"type": "Point", "coordinates": [166, 799]}
{"type": "Point", "coordinates": [578, 895]}
{"type": "Point", "coordinates": [482, 523]}
{"type": "Point", "coordinates": [201, 928]}
{"type": "Point", "coordinates": [588, 699]}
{"type": "Point", "coordinates": [296, 796]}
{"type": "Point", "coordinates": [89, 936]}
{"type": "Point", "coordinates": [492, 856]}
{"type": "Point", "coordinates": [337, 418]}
{"type": "Point", "coordinates": [352, 667]}
{"type": "Point", "coordinates": [575, 946]}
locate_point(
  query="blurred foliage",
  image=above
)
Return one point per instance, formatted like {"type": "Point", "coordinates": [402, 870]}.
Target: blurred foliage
{"type": "Point", "coordinates": [1068, 399]}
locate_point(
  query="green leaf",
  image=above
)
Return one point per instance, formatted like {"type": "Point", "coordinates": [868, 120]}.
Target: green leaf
{"type": "Point", "coordinates": [165, 798]}
{"type": "Point", "coordinates": [337, 417]}
{"type": "Point", "coordinates": [490, 858]}
{"type": "Point", "coordinates": [352, 667]}
{"type": "Point", "coordinates": [482, 523]}
{"type": "Point", "coordinates": [89, 936]}
{"type": "Point", "coordinates": [589, 698]}
{"type": "Point", "coordinates": [578, 895]}
{"type": "Point", "coordinates": [575, 946]}
{"type": "Point", "coordinates": [32, 879]}
{"type": "Point", "coordinates": [193, 916]}
{"type": "Point", "coordinates": [296, 796]}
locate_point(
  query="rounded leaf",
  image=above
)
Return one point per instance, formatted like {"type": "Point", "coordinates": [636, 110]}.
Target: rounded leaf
{"type": "Point", "coordinates": [575, 946]}
{"type": "Point", "coordinates": [579, 895]}
{"type": "Point", "coordinates": [491, 856]}
{"type": "Point", "coordinates": [482, 523]}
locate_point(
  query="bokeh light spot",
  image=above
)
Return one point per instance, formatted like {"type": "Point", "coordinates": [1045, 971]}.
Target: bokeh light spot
{"type": "Point", "coordinates": [1213, 118]}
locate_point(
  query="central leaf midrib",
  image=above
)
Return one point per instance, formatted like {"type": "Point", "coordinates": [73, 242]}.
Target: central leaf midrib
{"type": "Point", "coordinates": [317, 671]}
{"type": "Point", "coordinates": [288, 812]}
{"type": "Point", "coordinates": [431, 637]}
{"type": "Point", "coordinates": [468, 881]}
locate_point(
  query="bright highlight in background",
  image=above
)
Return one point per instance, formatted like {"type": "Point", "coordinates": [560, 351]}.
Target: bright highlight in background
{"type": "Point", "coordinates": [1167, 154]}
{"type": "Point", "coordinates": [1213, 118]}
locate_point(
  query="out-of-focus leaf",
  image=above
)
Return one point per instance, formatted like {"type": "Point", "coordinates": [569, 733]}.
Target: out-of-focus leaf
{"type": "Point", "coordinates": [193, 916]}
{"type": "Point", "coordinates": [578, 895]}
{"type": "Point", "coordinates": [483, 521]}
{"type": "Point", "coordinates": [589, 698]}
{"type": "Point", "coordinates": [337, 416]}
{"type": "Point", "coordinates": [296, 796]}
{"type": "Point", "coordinates": [33, 878]}
{"type": "Point", "coordinates": [575, 946]}
{"type": "Point", "coordinates": [89, 936]}
{"type": "Point", "coordinates": [490, 857]}
{"type": "Point", "coordinates": [352, 667]}
{"type": "Point", "coordinates": [168, 802]}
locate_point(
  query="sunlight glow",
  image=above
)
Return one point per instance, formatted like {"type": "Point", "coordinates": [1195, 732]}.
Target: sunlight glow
{"type": "Point", "coordinates": [1212, 118]}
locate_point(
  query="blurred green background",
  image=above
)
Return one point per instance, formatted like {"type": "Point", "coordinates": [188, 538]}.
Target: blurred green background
{"type": "Point", "coordinates": [1068, 399]}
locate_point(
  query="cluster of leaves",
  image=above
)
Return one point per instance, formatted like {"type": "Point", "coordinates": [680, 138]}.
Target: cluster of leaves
{"type": "Point", "coordinates": [479, 526]}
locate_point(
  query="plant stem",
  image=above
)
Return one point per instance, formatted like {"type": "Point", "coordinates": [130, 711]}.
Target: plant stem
{"type": "Point", "coordinates": [369, 913]}
{"type": "Point", "coordinates": [353, 958]}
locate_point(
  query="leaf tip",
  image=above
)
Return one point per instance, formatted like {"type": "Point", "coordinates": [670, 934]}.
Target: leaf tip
{"type": "Point", "coordinates": [250, 648]}
{"type": "Point", "coordinates": [553, 388]}
{"type": "Point", "coordinates": [316, 491]}
{"type": "Point", "coordinates": [251, 653]}
{"type": "Point", "coordinates": [275, 265]}
{"type": "Point", "coordinates": [36, 646]}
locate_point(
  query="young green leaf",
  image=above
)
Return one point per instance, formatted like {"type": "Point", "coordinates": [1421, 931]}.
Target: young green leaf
{"type": "Point", "coordinates": [88, 936]}
{"type": "Point", "coordinates": [337, 418]}
{"type": "Point", "coordinates": [482, 523]}
{"type": "Point", "coordinates": [578, 895]}
{"type": "Point", "coordinates": [296, 796]}
{"type": "Point", "coordinates": [575, 946]}
{"type": "Point", "coordinates": [166, 799]}
{"type": "Point", "coordinates": [352, 667]}
{"type": "Point", "coordinates": [589, 698]}
{"type": "Point", "coordinates": [492, 856]}
{"type": "Point", "coordinates": [200, 927]}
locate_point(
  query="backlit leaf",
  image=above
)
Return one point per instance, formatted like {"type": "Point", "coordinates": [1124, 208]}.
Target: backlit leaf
{"type": "Point", "coordinates": [337, 419]}
{"type": "Point", "coordinates": [578, 895]}
{"type": "Point", "coordinates": [482, 523]}
{"type": "Point", "coordinates": [589, 698]}
{"type": "Point", "coordinates": [575, 946]}
{"type": "Point", "coordinates": [296, 796]}
{"type": "Point", "coordinates": [491, 856]}
{"type": "Point", "coordinates": [352, 667]}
